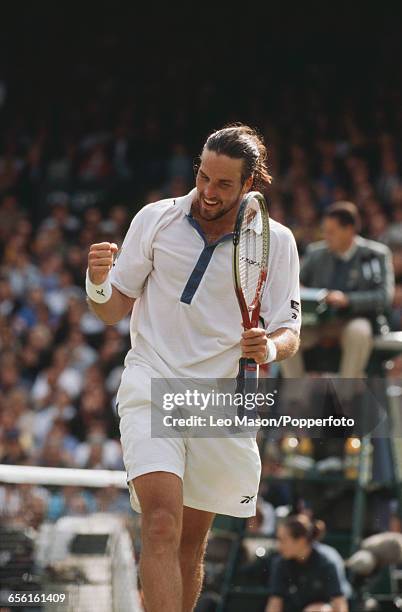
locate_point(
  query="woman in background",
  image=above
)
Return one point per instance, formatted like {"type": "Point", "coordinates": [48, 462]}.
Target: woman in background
{"type": "Point", "coordinates": [304, 577]}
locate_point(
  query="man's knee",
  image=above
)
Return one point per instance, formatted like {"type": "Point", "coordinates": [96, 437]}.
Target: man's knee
{"type": "Point", "coordinates": [357, 330]}
{"type": "Point", "coordinates": [161, 529]}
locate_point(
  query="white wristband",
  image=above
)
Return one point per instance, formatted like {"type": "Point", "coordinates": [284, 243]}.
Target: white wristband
{"type": "Point", "coordinates": [98, 293]}
{"type": "Point", "coordinates": [271, 351]}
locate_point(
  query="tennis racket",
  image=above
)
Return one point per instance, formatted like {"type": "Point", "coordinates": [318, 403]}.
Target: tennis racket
{"type": "Point", "coordinates": [251, 242]}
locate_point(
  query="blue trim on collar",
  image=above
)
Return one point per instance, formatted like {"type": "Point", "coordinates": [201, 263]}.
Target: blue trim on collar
{"type": "Point", "coordinates": [199, 229]}
{"type": "Point", "coordinates": [203, 261]}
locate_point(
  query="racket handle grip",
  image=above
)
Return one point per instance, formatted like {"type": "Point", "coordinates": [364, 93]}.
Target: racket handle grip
{"type": "Point", "coordinates": [250, 368]}
{"type": "Point", "coordinates": [250, 376]}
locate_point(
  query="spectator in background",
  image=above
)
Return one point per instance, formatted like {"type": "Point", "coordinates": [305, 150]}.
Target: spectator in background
{"type": "Point", "coordinates": [82, 355]}
{"type": "Point", "coordinates": [70, 501]}
{"type": "Point", "coordinates": [51, 454]}
{"type": "Point", "coordinates": [60, 216]}
{"type": "Point", "coordinates": [10, 212]}
{"type": "Point", "coordinates": [61, 165]}
{"type": "Point", "coordinates": [59, 408]}
{"type": "Point", "coordinates": [49, 270]}
{"type": "Point", "coordinates": [116, 225]}
{"type": "Point", "coordinates": [390, 177]}
{"type": "Point", "coordinates": [298, 171]}
{"type": "Point", "coordinates": [95, 166]}
{"type": "Point", "coordinates": [305, 218]}
{"type": "Point", "coordinates": [60, 374]}
{"type": "Point", "coordinates": [358, 277]}
{"type": "Point", "coordinates": [35, 512]}
{"type": "Point", "coordinates": [9, 372]}
{"type": "Point", "coordinates": [17, 402]}
{"type": "Point", "coordinates": [32, 174]}
{"type": "Point", "coordinates": [13, 452]}
{"type": "Point", "coordinates": [22, 275]}
{"type": "Point", "coordinates": [393, 235]}
{"type": "Point", "coordinates": [35, 354]}
{"type": "Point", "coordinates": [75, 262]}
{"type": "Point", "coordinates": [58, 299]}
{"type": "Point", "coordinates": [59, 432]}
{"type": "Point", "coordinates": [25, 506]}
{"type": "Point", "coordinates": [99, 452]}
{"type": "Point", "coordinates": [303, 578]}
{"type": "Point", "coordinates": [112, 350]}
{"type": "Point", "coordinates": [33, 312]}
{"type": "Point", "coordinates": [112, 499]}
{"type": "Point", "coordinates": [121, 153]}
{"type": "Point", "coordinates": [7, 301]}
{"type": "Point", "coordinates": [7, 337]}
{"type": "Point", "coordinates": [8, 420]}
{"type": "Point", "coordinates": [93, 406]}
{"type": "Point", "coordinates": [328, 175]}
{"type": "Point", "coordinates": [47, 242]}
{"type": "Point", "coordinates": [180, 165]}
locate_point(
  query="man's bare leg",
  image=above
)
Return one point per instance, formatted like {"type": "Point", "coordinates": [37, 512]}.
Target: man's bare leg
{"type": "Point", "coordinates": [196, 524]}
{"type": "Point", "coordinates": [161, 498]}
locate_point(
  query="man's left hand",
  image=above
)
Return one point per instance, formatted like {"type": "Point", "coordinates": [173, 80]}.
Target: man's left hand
{"type": "Point", "coordinates": [338, 299]}
{"type": "Point", "coordinates": [254, 344]}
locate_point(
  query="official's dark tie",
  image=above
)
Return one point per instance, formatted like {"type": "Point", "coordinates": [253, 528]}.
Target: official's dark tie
{"type": "Point", "coordinates": [339, 275]}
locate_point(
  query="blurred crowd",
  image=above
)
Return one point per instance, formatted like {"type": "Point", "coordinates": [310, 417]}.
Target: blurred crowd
{"type": "Point", "coordinates": [78, 174]}
{"type": "Point", "coordinates": [59, 366]}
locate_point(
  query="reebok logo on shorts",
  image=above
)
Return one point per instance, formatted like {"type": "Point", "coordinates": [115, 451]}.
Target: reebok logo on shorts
{"type": "Point", "coordinates": [247, 499]}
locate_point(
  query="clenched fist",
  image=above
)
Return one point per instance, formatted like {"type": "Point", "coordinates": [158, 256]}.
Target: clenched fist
{"type": "Point", "coordinates": [100, 261]}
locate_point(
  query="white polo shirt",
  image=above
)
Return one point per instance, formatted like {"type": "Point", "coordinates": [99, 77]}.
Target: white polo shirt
{"type": "Point", "coordinates": [186, 320]}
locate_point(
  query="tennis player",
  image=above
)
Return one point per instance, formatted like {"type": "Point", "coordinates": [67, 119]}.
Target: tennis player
{"type": "Point", "coordinates": [175, 268]}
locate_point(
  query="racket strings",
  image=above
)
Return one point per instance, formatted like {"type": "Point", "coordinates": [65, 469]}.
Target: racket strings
{"type": "Point", "coordinates": [251, 256]}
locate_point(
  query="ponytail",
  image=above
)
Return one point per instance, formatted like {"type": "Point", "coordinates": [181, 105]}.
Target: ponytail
{"type": "Point", "coordinates": [300, 526]}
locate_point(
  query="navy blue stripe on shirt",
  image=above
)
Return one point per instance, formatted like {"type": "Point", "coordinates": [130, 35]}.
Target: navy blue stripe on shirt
{"type": "Point", "coordinates": [197, 274]}
{"type": "Point", "coordinates": [202, 264]}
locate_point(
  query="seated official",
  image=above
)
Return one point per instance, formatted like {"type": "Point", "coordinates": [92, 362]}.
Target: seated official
{"type": "Point", "coordinates": [359, 279]}
{"type": "Point", "coordinates": [304, 577]}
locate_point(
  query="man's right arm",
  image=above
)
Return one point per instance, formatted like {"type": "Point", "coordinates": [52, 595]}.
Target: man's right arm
{"type": "Point", "coordinates": [115, 309]}
{"type": "Point", "coordinates": [100, 262]}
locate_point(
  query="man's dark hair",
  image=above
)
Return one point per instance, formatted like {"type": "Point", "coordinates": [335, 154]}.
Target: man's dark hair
{"type": "Point", "coordinates": [301, 526]}
{"type": "Point", "coordinates": [243, 142]}
{"type": "Point", "coordinates": [346, 213]}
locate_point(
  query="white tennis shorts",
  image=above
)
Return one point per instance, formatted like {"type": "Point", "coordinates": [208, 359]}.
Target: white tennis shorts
{"type": "Point", "coordinates": [219, 475]}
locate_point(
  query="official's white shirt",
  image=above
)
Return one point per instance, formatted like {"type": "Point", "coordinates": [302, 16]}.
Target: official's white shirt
{"type": "Point", "coordinates": [186, 321]}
